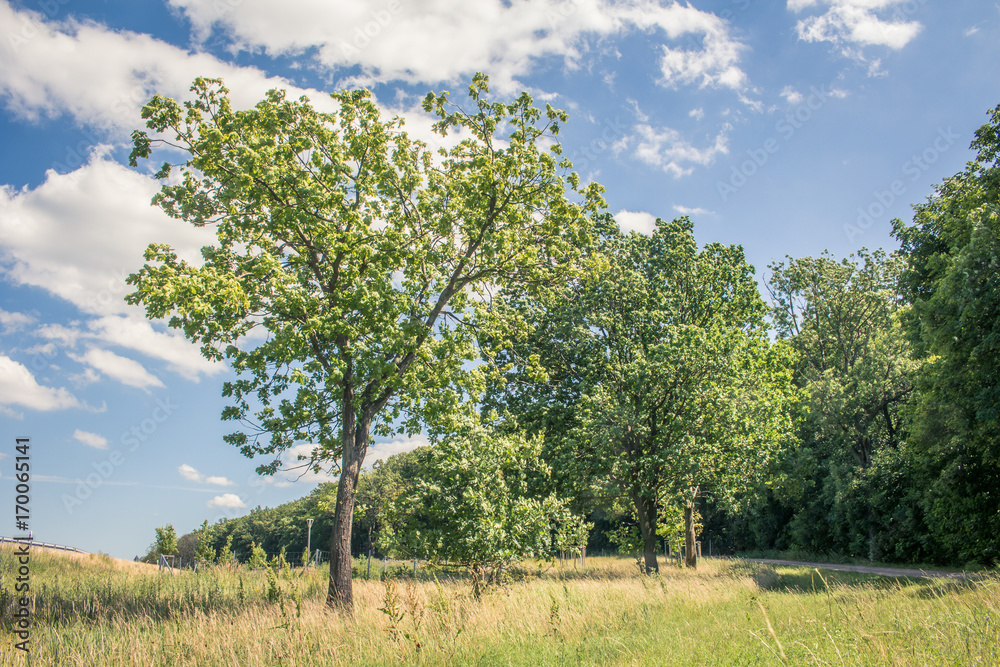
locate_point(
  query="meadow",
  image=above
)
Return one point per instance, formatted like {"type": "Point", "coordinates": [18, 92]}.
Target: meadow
{"type": "Point", "coordinates": [94, 610]}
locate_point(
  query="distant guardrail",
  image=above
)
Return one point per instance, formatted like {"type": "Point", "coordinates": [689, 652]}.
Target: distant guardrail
{"type": "Point", "coordinates": [41, 544]}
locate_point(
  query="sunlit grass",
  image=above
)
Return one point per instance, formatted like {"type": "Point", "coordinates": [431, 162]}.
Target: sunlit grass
{"type": "Point", "coordinates": [97, 611]}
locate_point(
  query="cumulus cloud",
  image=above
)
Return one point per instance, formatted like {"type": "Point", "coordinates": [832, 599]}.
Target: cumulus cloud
{"type": "Point", "coordinates": [443, 40]}
{"type": "Point", "coordinates": [380, 451]}
{"type": "Point", "coordinates": [792, 96]}
{"type": "Point", "coordinates": [684, 210]}
{"type": "Point", "coordinates": [102, 77]}
{"type": "Point", "coordinates": [19, 387]}
{"type": "Point", "coordinates": [90, 439]}
{"type": "Point", "coordinates": [667, 149]}
{"type": "Point", "coordinates": [226, 500]}
{"type": "Point", "coordinates": [14, 321]}
{"type": "Point", "coordinates": [78, 236]}
{"type": "Point", "coordinates": [852, 25]}
{"type": "Point", "coordinates": [636, 221]}
{"type": "Point", "coordinates": [191, 474]}
{"type": "Point", "coordinates": [127, 371]}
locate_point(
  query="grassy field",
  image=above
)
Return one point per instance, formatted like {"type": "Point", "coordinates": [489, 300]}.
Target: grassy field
{"type": "Point", "coordinates": [93, 610]}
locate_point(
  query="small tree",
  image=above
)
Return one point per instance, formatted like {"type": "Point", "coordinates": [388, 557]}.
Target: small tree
{"type": "Point", "coordinates": [258, 557]}
{"type": "Point", "coordinates": [483, 504]}
{"type": "Point", "coordinates": [166, 540]}
{"type": "Point", "coordinates": [205, 551]}
{"type": "Point", "coordinates": [226, 556]}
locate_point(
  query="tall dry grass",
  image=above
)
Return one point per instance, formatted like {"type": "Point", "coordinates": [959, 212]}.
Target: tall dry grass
{"type": "Point", "coordinates": [92, 611]}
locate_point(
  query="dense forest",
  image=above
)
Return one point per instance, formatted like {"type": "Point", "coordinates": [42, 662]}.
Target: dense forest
{"type": "Point", "coordinates": [851, 414]}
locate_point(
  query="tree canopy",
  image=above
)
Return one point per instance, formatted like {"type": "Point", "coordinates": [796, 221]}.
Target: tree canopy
{"type": "Point", "coordinates": [652, 373]}
{"type": "Point", "coordinates": [952, 279]}
{"type": "Point", "coordinates": [364, 260]}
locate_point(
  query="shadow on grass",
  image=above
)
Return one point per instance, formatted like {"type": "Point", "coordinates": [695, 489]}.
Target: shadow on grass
{"type": "Point", "coordinates": [792, 579]}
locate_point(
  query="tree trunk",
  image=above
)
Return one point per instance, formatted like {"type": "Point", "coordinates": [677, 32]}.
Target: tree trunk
{"type": "Point", "coordinates": [646, 511]}
{"type": "Point", "coordinates": [339, 595]}
{"type": "Point", "coordinates": [690, 546]}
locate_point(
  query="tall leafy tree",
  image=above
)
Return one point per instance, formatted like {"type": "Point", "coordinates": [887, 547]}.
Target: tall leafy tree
{"type": "Point", "coordinates": [366, 260]}
{"type": "Point", "coordinates": [652, 375]}
{"type": "Point", "coordinates": [953, 280]}
{"type": "Point", "coordinates": [844, 318]}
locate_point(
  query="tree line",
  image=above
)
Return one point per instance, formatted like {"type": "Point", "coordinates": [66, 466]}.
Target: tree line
{"type": "Point", "coordinates": [365, 285]}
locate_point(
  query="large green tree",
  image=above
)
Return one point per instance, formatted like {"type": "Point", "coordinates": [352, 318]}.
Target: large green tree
{"type": "Point", "coordinates": [844, 318]}
{"type": "Point", "coordinates": [366, 259]}
{"type": "Point", "coordinates": [953, 281]}
{"type": "Point", "coordinates": [652, 375]}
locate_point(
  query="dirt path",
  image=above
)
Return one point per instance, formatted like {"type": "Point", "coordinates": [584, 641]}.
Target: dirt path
{"type": "Point", "coordinates": [869, 569]}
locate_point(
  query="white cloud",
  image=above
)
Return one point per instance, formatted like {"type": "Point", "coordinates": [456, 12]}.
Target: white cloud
{"type": "Point", "coordinates": [190, 473]}
{"type": "Point", "coordinates": [666, 149]}
{"type": "Point", "coordinates": [697, 114]}
{"type": "Point", "coordinates": [227, 500]}
{"type": "Point", "coordinates": [792, 96]}
{"type": "Point", "coordinates": [636, 221]}
{"type": "Point", "coordinates": [127, 371]}
{"type": "Point", "coordinates": [14, 321]}
{"type": "Point", "coordinates": [858, 23]}
{"type": "Point", "coordinates": [19, 387]}
{"type": "Point", "coordinates": [137, 334]}
{"type": "Point", "coordinates": [78, 236]}
{"type": "Point", "coordinates": [380, 451]}
{"type": "Point", "coordinates": [684, 210]}
{"type": "Point", "coordinates": [91, 439]}
{"type": "Point", "coordinates": [444, 40]}
{"type": "Point", "coordinates": [102, 77]}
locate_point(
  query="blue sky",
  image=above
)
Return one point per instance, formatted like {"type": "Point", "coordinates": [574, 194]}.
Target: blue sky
{"type": "Point", "coordinates": [788, 127]}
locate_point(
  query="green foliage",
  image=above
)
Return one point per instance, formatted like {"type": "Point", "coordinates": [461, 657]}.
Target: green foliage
{"type": "Point", "coordinates": [844, 318]}
{"type": "Point", "coordinates": [226, 555]}
{"type": "Point", "coordinates": [652, 375]}
{"type": "Point", "coordinates": [627, 538]}
{"type": "Point", "coordinates": [483, 502]}
{"type": "Point", "coordinates": [272, 589]}
{"type": "Point", "coordinates": [205, 551]}
{"type": "Point", "coordinates": [953, 255]}
{"type": "Point", "coordinates": [349, 240]}
{"type": "Point", "coordinates": [166, 540]}
{"type": "Point", "coordinates": [258, 557]}
{"type": "Point", "coordinates": [362, 257]}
